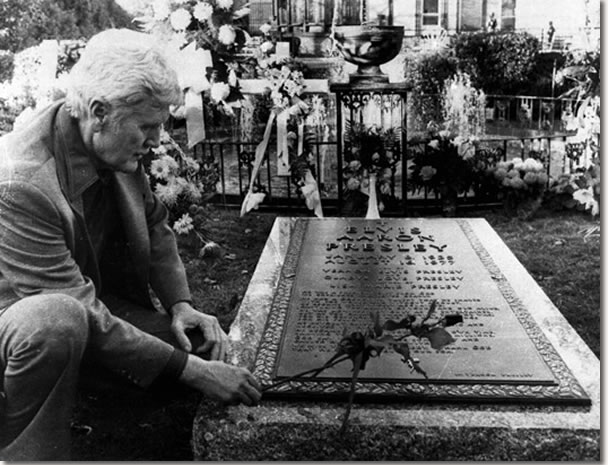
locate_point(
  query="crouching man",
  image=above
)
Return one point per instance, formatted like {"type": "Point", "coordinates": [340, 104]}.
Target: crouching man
{"type": "Point", "coordinates": [82, 240]}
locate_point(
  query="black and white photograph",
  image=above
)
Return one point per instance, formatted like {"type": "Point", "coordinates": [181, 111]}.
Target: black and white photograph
{"type": "Point", "coordinates": [300, 230]}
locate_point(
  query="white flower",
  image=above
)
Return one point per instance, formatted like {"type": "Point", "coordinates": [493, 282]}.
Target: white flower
{"type": "Point", "coordinates": [265, 28]}
{"type": "Point", "coordinates": [226, 34]}
{"type": "Point", "coordinates": [434, 144]}
{"type": "Point", "coordinates": [444, 134]}
{"type": "Point", "coordinates": [161, 9]}
{"type": "Point", "coordinates": [163, 167]}
{"type": "Point", "coordinates": [220, 91]}
{"type": "Point", "coordinates": [586, 198]}
{"type": "Point", "coordinates": [518, 163]}
{"type": "Point", "coordinates": [180, 19]}
{"type": "Point", "coordinates": [267, 47]}
{"type": "Point", "coordinates": [458, 140]}
{"type": "Point", "coordinates": [167, 193]}
{"type": "Point", "coordinates": [232, 78]}
{"type": "Point", "coordinates": [225, 4]}
{"type": "Point", "coordinates": [183, 225]}
{"type": "Point", "coordinates": [160, 150]}
{"type": "Point", "coordinates": [202, 11]}
{"type": "Point", "coordinates": [532, 165]}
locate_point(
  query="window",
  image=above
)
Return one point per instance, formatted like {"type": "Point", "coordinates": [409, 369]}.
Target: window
{"type": "Point", "coordinates": [508, 15]}
{"type": "Point", "coordinates": [430, 13]}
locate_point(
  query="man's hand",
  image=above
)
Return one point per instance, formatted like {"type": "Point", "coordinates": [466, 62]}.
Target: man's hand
{"type": "Point", "coordinates": [186, 318]}
{"type": "Point", "coordinates": [220, 381]}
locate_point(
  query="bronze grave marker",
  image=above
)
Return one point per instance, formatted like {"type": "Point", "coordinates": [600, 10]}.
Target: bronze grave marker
{"type": "Point", "coordinates": [339, 272]}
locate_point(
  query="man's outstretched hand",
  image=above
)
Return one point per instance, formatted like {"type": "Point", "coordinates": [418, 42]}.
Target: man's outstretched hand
{"type": "Point", "coordinates": [186, 319]}
{"type": "Point", "coordinates": [220, 381]}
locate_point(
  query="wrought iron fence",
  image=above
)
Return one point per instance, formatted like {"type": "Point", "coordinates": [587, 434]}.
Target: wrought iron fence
{"type": "Point", "coordinates": [234, 162]}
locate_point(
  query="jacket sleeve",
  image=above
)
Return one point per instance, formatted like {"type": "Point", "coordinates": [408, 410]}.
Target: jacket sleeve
{"type": "Point", "coordinates": [167, 273]}
{"type": "Point", "coordinates": [35, 259]}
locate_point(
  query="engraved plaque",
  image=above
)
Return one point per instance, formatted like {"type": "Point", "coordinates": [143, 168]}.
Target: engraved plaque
{"type": "Point", "coordinates": [341, 271]}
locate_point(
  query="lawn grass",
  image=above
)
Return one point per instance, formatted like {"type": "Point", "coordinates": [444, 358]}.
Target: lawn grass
{"type": "Point", "coordinates": [552, 247]}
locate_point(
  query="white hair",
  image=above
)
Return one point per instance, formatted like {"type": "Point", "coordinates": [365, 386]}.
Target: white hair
{"type": "Point", "coordinates": [122, 68]}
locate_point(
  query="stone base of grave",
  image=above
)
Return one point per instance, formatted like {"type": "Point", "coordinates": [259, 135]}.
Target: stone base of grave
{"type": "Point", "coordinates": [304, 431]}
{"type": "Point", "coordinates": [443, 430]}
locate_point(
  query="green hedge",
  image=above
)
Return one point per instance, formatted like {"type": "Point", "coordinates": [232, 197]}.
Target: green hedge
{"type": "Point", "coordinates": [498, 63]}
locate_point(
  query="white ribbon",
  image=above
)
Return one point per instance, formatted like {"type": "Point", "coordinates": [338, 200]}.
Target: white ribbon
{"type": "Point", "coordinates": [282, 145]}
{"type": "Point", "coordinates": [190, 66]}
{"type": "Point", "coordinates": [253, 199]}
{"type": "Point", "coordinates": [312, 197]}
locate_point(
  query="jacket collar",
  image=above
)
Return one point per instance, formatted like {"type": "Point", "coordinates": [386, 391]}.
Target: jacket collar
{"type": "Point", "coordinates": [75, 164]}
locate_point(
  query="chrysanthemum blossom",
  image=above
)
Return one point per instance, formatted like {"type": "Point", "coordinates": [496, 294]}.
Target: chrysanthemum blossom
{"type": "Point", "coordinates": [225, 4]}
{"type": "Point", "coordinates": [184, 225]}
{"type": "Point", "coordinates": [202, 11]}
{"type": "Point", "coordinates": [163, 167]}
{"type": "Point", "coordinates": [226, 34]}
{"type": "Point", "coordinates": [180, 19]}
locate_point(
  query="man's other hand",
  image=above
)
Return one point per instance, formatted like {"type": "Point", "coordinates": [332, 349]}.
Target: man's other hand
{"type": "Point", "coordinates": [220, 381]}
{"type": "Point", "coordinates": [186, 319]}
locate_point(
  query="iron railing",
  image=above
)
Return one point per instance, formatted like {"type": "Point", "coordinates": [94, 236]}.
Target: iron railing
{"type": "Point", "coordinates": [234, 160]}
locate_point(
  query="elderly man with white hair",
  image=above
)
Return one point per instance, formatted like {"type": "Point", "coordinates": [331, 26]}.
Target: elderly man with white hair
{"type": "Point", "coordinates": [83, 240]}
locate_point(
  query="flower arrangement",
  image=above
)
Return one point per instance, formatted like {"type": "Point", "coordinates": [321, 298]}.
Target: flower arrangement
{"type": "Point", "coordinates": [211, 25]}
{"type": "Point", "coordinates": [445, 163]}
{"type": "Point", "coordinates": [299, 120]}
{"type": "Point", "coordinates": [522, 184]}
{"type": "Point", "coordinates": [184, 185]}
{"type": "Point", "coordinates": [463, 106]}
{"type": "Point", "coordinates": [370, 155]}
{"type": "Point", "coordinates": [579, 190]}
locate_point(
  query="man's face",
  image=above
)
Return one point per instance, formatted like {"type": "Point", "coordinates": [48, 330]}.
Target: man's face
{"type": "Point", "coordinates": [125, 138]}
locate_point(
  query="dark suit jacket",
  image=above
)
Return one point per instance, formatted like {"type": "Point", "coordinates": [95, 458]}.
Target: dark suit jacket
{"type": "Point", "coordinates": [45, 247]}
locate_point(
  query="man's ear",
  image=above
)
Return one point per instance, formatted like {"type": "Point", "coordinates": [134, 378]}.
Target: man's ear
{"type": "Point", "coordinates": [99, 113]}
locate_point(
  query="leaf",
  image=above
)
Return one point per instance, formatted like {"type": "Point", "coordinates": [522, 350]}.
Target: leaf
{"type": "Point", "coordinates": [404, 349]}
{"type": "Point", "coordinates": [439, 338]}
{"type": "Point", "coordinates": [451, 320]}
{"type": "Point", "coordinates": [406, 323]}
{"type": "Point", "coordinates": [431, 309]}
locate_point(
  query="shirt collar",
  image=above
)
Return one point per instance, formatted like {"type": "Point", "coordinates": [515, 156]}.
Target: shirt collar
{"type": "Point", "coordinates": [82, 171]}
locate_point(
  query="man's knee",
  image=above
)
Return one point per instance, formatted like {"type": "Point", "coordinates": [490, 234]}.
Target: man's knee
{"type": "Point", "coordinates": [56, 322]}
